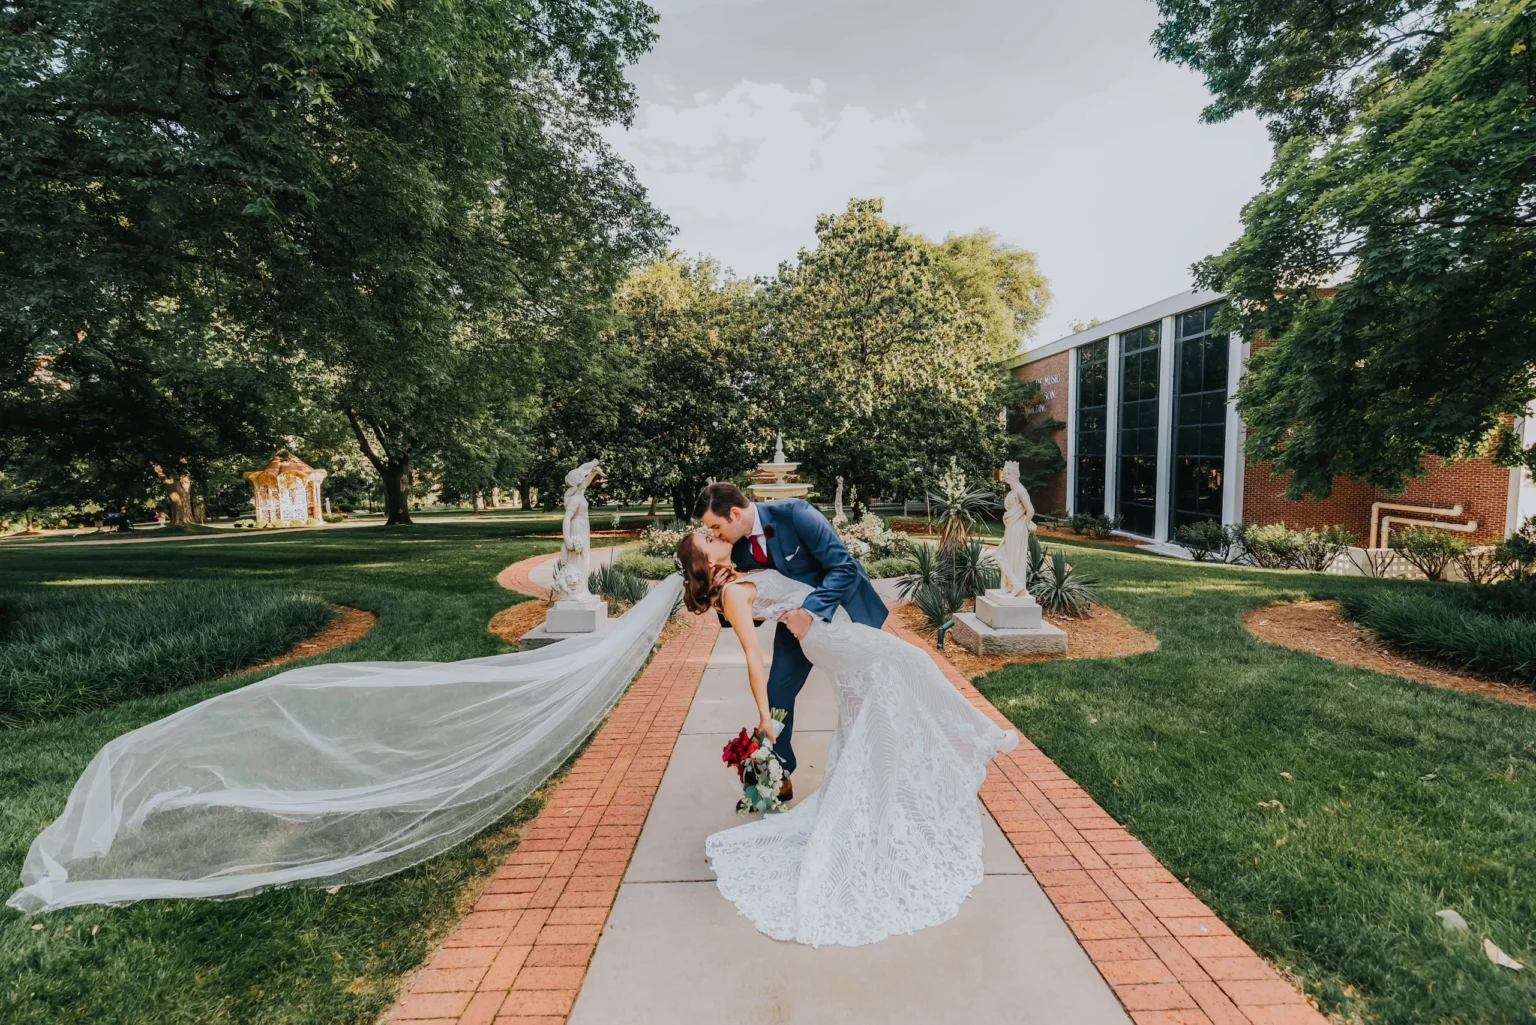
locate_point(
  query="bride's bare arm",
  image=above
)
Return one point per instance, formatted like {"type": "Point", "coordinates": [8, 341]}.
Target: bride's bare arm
{"type": "Point", "coordinates": [737, 600]}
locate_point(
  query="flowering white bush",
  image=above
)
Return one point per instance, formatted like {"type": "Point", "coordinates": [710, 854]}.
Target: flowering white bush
{"type": "Point", "coordinates": [658, 540]}
{"type": "Point", "coordinates": [871, 538]}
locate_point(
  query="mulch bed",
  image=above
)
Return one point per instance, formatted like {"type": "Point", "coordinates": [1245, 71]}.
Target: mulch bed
{"type": "Point", "coordinates": [344, 629]}
{"type": "Point", "coordinates": [511, 623]}
{"type": "Point", "coordinates": [1105, 634]}
{"type": "Point", "coordinates": [1319, 628]}
{"type": "Point", "coordinates": [1046, 530]}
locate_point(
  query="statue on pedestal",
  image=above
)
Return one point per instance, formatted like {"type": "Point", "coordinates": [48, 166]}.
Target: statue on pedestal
{"type": "Point", "coordinates": [572, 569]}
{"type": "Point", "coordinates": [1018, 521]}
{"type": "Point", "coordinates": [837, 504]}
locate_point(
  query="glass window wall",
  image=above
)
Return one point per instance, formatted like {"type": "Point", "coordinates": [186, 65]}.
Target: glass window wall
{"type": "Point", "coordinates": [1138, 428]}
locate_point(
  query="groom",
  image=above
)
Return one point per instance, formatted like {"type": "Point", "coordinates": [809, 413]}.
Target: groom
{"type": "Point", "coordinates": [789, 535]}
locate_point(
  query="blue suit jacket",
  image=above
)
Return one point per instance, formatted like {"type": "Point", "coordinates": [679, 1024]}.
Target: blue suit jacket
{"type": "Point", "coordinates": [804, 547]}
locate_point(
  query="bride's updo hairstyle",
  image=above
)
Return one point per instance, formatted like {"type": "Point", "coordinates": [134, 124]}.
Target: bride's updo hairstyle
{"type": "Point", "coordinates": [702, 583]}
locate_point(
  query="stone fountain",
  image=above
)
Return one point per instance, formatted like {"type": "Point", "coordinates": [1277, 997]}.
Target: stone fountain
{"type": "Point", "coordinates": [771, 480]}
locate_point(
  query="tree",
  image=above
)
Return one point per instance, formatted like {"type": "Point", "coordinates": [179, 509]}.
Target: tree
{"type": "Point", "coordinates": [113, 425]}
{"type": "Point", "coordinates": [408, 198]}
{"type": "Point", "coordinates": [667, 399]}
{"type": "Point", "coordinates": [1389, 267]}
{"type": "Point", "coordinates": [1031, 437]}
{"type": "Point", "coordinates": [883, 350]}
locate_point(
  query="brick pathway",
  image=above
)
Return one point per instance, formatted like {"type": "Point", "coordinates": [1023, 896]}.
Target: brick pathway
{"type": "Point", "coordinates": [521, 955]}
{"type": "Point", "coordinates": [1169, 959]}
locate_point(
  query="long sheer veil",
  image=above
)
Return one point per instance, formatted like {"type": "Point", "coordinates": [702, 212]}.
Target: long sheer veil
{"type": "Point", "coordinates": [329, 774]}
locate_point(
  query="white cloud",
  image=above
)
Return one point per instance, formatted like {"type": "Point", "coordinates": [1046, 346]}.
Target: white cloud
{"type": "Point", "coordinates": [744, 171]}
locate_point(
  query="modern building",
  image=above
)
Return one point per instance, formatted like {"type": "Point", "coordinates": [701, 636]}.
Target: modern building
{"type": "Point", "coordinates": [1153, 436]}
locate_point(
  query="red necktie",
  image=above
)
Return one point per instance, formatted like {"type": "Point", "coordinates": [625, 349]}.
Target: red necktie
{"type": "Point", "coordinates": [757, 550]}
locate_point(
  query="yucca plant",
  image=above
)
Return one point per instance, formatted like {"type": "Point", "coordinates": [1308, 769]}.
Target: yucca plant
{"type": "Point", "coordinates": [925, 572]}
{"type": "Point", "coordinates": [617, 585]}
{"type": "Point", "coordinates": [1036, 557]}
{"type": "Point", "coordinates": [939, 601]}
{"type": "Point", "coordinates": [960, 505]}
{"type": "Point", "coordinates": [1062, 590]}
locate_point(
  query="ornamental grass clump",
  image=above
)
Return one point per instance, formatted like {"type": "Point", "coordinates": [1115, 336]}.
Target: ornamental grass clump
{"type": "Point", "coordinates": [640, 564]}
{"type": "Point", "coordinates": [71, 649]}
{"type": "Point", "coordinates": [1478, 630]}
{"type": "Point", "coordinates": [942, 581]}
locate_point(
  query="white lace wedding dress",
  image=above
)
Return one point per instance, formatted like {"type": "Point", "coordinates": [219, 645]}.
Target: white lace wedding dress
{"type": "Point", "coordinates": [891, 842]}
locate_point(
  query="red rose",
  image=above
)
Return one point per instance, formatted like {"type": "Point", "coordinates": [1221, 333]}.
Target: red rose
{"type": "Point", "coordinates": [739, 749]}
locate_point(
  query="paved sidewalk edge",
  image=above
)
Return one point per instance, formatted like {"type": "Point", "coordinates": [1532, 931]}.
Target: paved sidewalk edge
{"type": "Point", "coordinates": [1168, 957]}
{"type": "Point", "coordinates": [521, 956]}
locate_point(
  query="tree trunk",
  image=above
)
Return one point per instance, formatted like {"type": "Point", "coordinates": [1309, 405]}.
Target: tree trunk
{"type": "Point", "coordinates": [525, 495]}
{"type": "Point", "coordinates": [178, 491]}
{"type": "Point", "coordinates": [680, 503]}
{"type": "Point", "coordinates": [394, 469]}
{"type": "Point", "coordinates": [652, 513]}
{"type": "Point", "coordinates": [397, 491]}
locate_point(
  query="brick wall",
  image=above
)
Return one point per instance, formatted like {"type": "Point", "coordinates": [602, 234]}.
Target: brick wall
{"type": "Point", "coordinates": [1481, 487]}
{"type": "Point", "coordinates": [1054, 374]}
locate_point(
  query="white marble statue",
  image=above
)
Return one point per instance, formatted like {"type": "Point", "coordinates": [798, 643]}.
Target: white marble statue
{"type": "Point", "coordinates": [837, 504]}
{"type": "Point", "coordinates": [1018, 521]}
{"type": "Point", "coordinates": [571, 571]}
{"type": "Point", "coordinates": [778, 450]}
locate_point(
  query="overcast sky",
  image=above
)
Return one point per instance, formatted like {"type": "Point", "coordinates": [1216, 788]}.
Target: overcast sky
{"type": "Point", "coordinates": [1048, 122]}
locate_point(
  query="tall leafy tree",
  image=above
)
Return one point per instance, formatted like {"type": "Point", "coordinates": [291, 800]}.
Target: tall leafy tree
{"type": "Point", "coordinates": [883, 352]}
{"type": "Point", "coordinates": [408, 197]}
{"type": "Point", "coordinates": [671, 396]}
{"type": "Point", "coordinates": [1389, 266]}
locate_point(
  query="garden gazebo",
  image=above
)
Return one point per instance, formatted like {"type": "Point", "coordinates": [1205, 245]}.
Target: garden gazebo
{"type": "Point", "coordinates": [286, 491]}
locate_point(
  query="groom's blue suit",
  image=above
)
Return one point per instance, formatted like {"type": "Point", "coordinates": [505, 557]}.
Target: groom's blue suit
{"type": "Point", "coordinates": [803, 546]}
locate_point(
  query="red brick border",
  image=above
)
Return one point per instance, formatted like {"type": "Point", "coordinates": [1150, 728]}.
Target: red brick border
{"type": "Point", "coordinates": [521, 955]}
{"type": "Point", "coordinates": [1167, 956]}
{"type": "Point", "coordinates": [516, 576]}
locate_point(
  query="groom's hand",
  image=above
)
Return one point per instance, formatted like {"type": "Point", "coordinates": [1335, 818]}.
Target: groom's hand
{"type": "Point", "coordinates": [798, 621]}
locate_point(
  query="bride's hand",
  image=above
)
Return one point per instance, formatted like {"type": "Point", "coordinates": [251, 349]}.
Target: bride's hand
{"type": "Point", "coordinates": [768, 726]}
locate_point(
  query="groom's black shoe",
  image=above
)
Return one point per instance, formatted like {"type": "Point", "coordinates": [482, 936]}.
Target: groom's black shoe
{"type": "Point", "coordinates": [787, 791]}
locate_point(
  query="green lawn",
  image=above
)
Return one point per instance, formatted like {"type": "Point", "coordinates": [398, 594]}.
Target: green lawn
{"type": "Point", "coordinates": [293, 956]}
{"type": "Point", "coordinates": [1403, 798]}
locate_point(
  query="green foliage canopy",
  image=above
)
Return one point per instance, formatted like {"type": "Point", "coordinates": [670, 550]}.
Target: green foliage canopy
{"type": "Point", "coordinates": [1391, 260]}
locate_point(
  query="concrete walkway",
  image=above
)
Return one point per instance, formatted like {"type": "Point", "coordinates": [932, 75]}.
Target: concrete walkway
{"type": "Point", "coordinates": [674, 952]}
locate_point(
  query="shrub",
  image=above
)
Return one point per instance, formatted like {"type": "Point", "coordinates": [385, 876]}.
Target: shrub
{"type": "Point", "coordinates": [1080, 522]}
{"type": "Point", "coordinates": [1203, 539]}
{"type": "Point", "coordinates": [617, 584]}
{"type": "Point", "coordinates": [1269, 545]}
{"type": "Point", "coordinates": [1429, 549]}
{"type": "Point", "coordinates": [334, 517]}
{"type": "Point", "coordinates": [72, 649]}
{"type": "Point", "coordinates": [880, 569]}
{"type": "Point", "coordinates": [1480, 565]}
{"type": "Point", "coordinates": [650, 567]}
{"type": "Point", "coordinates": [1445, 626]}
{"type": "Point", "coordinates": [1516, 554]}
{"type": "Point", "coordinates": [1061, 589]}
{"type": "Point", "coordinates": [870, 538]}
{"type": "Point", "coordinates": [1316, 549]}
{"type": "Point", "coordinates": [1103, 527]}
{"type": "Point", "coordinates": [664, 539]}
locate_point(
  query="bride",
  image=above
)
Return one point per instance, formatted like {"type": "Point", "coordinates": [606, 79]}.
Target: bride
{"type": "Point", "coordinates": [892, 840]}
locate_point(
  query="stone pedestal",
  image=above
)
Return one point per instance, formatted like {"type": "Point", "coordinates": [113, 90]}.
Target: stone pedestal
{"type": "Point", "coordinates": [1007, 624]}
{"type": "Point", "coordinates": [576, 618]}
{"type": "Point", "coordinates": [1003, 611]}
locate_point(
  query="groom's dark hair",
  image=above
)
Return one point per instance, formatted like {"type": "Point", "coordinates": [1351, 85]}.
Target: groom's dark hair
{"type": "Point", "coordinates": [719, 499]}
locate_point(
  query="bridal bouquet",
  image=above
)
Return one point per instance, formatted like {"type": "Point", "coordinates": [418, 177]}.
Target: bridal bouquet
{"type": "Point", "coordinates": [760, 770]}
